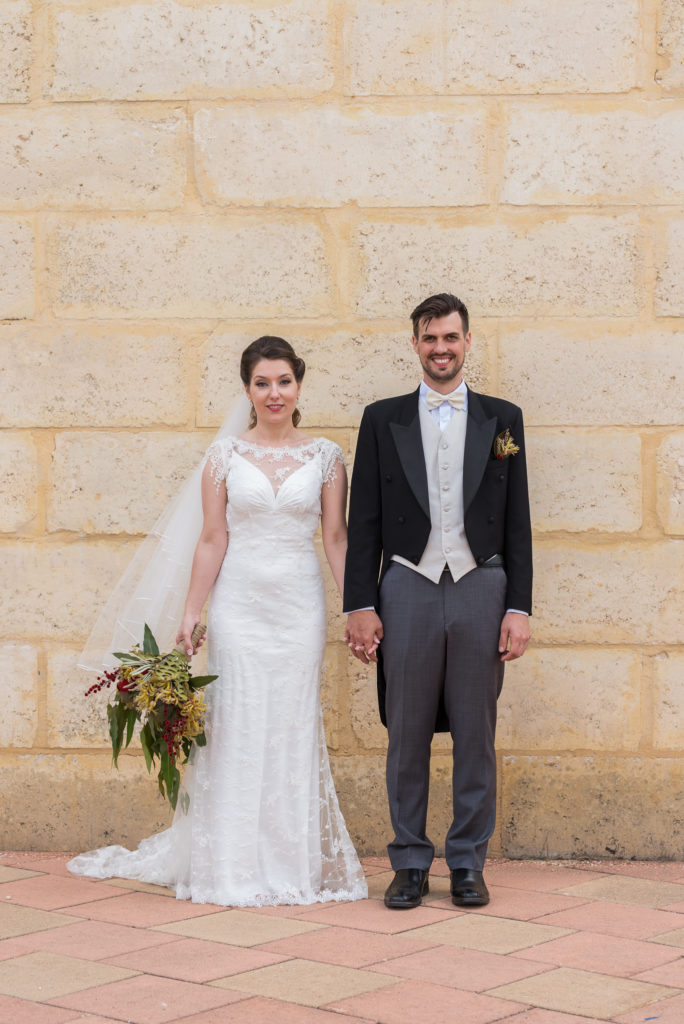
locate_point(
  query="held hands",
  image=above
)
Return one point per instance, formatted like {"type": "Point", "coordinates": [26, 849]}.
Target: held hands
{"type": "Point", "coordinates": [363, 634]}
{"type": "Point", "coordinates": [514, 636]}
{"type": "Point", "coordinates": [184, 635]}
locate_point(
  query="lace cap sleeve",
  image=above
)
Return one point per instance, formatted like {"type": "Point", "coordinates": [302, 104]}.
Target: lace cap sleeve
{"type": "Point", "coordinates": [218, 457]}
{"type": "Point", "coordinates": [332, 457]}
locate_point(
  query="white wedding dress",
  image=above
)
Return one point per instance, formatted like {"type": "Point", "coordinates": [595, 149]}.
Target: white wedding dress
{"type": "Point", "coordinates": [263, 824]}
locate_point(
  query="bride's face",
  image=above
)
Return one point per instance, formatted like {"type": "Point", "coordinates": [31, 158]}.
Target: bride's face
{"type": "Point", "coordinates": [273, 391]}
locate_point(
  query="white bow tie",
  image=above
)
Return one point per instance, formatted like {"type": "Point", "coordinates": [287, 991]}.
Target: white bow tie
{"type": "Point", "coordinates": [456, 399]}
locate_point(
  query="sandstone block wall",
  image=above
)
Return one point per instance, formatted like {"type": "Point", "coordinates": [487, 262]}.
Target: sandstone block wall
{"type": "Point", "coordinates": [179, 176]}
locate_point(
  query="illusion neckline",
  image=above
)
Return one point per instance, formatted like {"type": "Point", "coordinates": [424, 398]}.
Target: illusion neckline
{"type": "Point", "coordinates": [275, 447]}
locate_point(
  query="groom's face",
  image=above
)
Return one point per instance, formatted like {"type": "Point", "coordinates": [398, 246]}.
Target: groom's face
{"type": "Point", "coordinates": [441, 347]}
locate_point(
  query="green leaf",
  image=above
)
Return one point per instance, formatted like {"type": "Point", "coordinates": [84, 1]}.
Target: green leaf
{"type": "Point", "coordinates": [201, 740]}
{"type": "Point", "coordinates": [173, 792]}
{"type": "Point", "coordinates": [114, 731]}
{"type": "Point", "coordinates": [145, 744]}
{"type": "Point", "coordinates": [132, 718]}
{"type": "Point", "coordinates": [127, 658]}
{"type": "Point", "coordinates": [195, 682]}
{"type": "Point", "coordinates": [149, 643]}
{"type": "Point", "coordinates": [171, 777]}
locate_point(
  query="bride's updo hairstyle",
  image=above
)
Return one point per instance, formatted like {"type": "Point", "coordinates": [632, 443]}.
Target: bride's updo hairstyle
{"type": "Point", "coordinates": [270, 347]}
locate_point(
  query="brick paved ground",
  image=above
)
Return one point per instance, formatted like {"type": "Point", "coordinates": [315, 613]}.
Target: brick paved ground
{"type": "Point", "coordinates": [566, 943]}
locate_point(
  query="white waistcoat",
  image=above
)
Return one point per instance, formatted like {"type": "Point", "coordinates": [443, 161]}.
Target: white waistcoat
{"type": "Point", "coordinates": [447, 544]}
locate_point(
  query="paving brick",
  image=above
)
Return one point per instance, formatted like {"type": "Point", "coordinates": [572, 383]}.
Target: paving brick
{"type": "Point", "coordinates": [582, 992]}
{"type": "Point", "coordinates": [421, 1000]}
{"type": "Point", "coordinates": [239, 928]}
{"type": "Point", "coordinates": [636, 892]}
{"type": "Point", "coordinates": [585, 951]}
{"type": "Point", "coordinates": [305, 982]}
{"type": "Point", "coordinates": [34, 1013]}
{"type": "Point", "coordinates": [169, 50]}
{"type": "Point", "coordinates": [488, 934]}
{"type": "Point", "coordinates": [257, 1010]}
{"type": "Point", "coordinates": [195, 960]}
{"type": "Point", "coordinates": [146, 1000]}
{"type": "Point", "coordinates": [45, 975]}
{"type": "Point", "coordinates": [26, 920]}
{"type": "Point", "coordinates": [55, 892]}
{"type": "Point", "coordinates": [465, 969]}
{"type": "Point", "coordinates": [617, 919]}
{"type": "Point", "coordinates": [89, 940]}
{"type": "Point", "coordinates": [348, 947]}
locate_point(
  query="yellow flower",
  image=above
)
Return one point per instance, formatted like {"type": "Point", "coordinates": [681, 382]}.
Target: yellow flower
{"type": "Point", "coordinates": [504, 445]}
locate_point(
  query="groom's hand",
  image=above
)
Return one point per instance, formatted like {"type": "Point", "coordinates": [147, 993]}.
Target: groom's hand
{"type": "Point", "coordinates": [514, 636]}
{"type": "Point", "coordinates": [363, 634]}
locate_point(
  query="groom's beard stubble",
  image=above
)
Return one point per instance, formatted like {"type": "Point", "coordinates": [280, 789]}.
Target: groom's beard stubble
{"type": "Point", "coordinates": [451, 372]}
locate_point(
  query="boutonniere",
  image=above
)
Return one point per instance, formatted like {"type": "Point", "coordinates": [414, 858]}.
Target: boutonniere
{"type": "Point", "coordinates": [504, 445]}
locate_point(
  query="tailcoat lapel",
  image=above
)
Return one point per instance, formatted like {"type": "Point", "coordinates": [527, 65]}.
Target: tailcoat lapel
{"type": "Point", "coordinates": [409, 444]}
{"type": "Point", "coordinates": [480, 433]}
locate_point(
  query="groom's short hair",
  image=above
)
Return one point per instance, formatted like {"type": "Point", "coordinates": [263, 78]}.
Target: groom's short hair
{"type": "Point", "coordinates": [436, 307]}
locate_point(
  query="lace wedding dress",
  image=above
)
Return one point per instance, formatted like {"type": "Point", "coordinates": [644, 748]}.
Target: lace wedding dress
{"type": "Point", "coordinates": [263, 824]}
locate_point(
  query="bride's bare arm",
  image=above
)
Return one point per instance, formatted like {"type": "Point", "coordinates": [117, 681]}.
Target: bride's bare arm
{"type": "Point", "coordinates": [209, 555]}
{"type": "Point", "coordinates": [334, 523]}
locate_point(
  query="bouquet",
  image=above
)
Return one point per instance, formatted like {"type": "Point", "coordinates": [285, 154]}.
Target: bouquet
{"type": "Point", "coordinates": [158, 691]}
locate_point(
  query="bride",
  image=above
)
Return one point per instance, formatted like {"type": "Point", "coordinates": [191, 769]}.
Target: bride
{"type": "Point", "coordinates": [263, 824]}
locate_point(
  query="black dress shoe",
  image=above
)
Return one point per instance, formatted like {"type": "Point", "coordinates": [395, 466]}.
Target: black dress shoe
{"type": "Point", "coordinates": [468, 888]}
{"type": "Point", "coordinates": [406, 889]}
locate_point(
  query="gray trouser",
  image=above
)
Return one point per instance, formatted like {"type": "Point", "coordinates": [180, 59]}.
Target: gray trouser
{"type": "Point", "coordinates": [441, 638]}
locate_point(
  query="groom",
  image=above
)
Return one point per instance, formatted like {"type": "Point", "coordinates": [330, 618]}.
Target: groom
{"type": "Point", "coordinates": [438, 587]}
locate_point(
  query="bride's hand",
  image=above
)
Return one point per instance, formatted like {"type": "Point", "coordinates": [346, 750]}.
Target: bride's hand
{"type": "Point", "coordinates": [184, 636]}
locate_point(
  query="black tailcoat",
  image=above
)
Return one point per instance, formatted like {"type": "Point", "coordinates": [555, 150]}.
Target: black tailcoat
{"type": "Point", "coordinates": [389, 510]}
